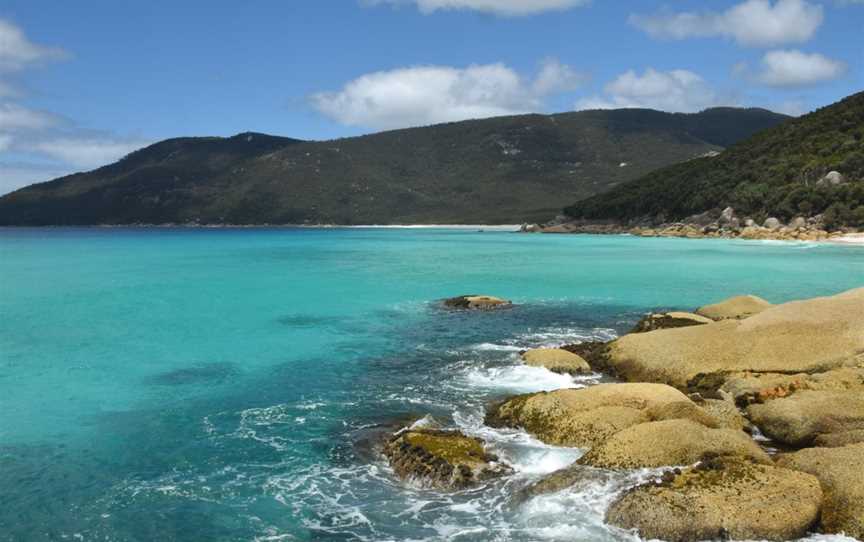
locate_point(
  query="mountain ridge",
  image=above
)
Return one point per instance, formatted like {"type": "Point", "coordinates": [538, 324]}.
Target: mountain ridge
{"type": "Point", "coordinates": [497, 170]}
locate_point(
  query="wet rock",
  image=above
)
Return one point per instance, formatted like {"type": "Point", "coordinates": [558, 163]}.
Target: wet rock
{"type": "Point", "coordinates": [840, 472]}
{"type": "Point", "coordinates": [727, 498]}
{"type": "Point", "coordinates": [809, 336]}
{"type": "Point", "coordinates": [476, 302]}
{"type": "Point", "coordinates": [581, 417]}
{"type": "Point", "coordinates": [798, 419]}
{"type": "Point", "coordinates": [556, 360]}
{"type": "Point", "coordinates": [575, 477]}
{"type": "Point", "coordinates": [737, 308]}
{"type": "Point", "coordinates": [443, 459]}
{"type": "Point", "coordinates": [669, 320]}
{"type": "Point", "coordinates": [669, 443]}
{"type": "Point", "coordinates": [593, 352]}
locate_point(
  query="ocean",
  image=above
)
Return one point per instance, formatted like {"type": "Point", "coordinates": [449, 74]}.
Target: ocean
{"type": "Point", "coordinates": [227, 384]}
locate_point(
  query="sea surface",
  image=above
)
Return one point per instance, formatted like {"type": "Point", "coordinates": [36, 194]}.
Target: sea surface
{"type": "Point", "coordinates": [226, 384]}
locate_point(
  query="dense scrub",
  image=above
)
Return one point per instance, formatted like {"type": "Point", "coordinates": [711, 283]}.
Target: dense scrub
{"type": "Point", "coordinates": [773, 173]}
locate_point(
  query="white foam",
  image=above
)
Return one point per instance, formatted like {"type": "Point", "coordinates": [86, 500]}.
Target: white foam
{"type": "Point", "coordinates": [520, 379]}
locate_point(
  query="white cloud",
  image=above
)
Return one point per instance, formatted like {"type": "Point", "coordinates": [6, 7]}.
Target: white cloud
{"type": "Point", "coordinates": [675, 90]}
{"type": "Point", "coordinates": [791, 68]}
{"type": "Point", "coordinates": [510, 8]}
{"type": "Point", "coordinates": [86, 152]}
{"type": "Point", "coordinates": [17, 52]}
{"type": "Point", "coordinates": [425, 95]}
{"type": "Point", "coordinates": [753, 23]}
{"type": "Point", "coordinates": [17, 117]}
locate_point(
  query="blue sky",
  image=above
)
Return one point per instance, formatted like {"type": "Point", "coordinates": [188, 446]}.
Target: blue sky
{"type": "Point", "coordinates": [83, 83]}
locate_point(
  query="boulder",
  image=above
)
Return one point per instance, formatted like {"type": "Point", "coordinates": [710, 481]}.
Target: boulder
{"type": "Point", "coordinates": [832, 178]}
{"type": "Point", "coordinates": [749, 223]}
{"type": "Point", "coordinates": [669, 443]}
{"type": "Point", "coordinates": [556, 360]}
{"type": "Point", "coordinates": [476, 302]}
{"type": "Point", "coordinates": [798, 419]}
{"type": "Point", "coordinates": [843, 438]}
{"type": "Point", "coordinates": [578, 477]}
{"type": "Point", "coordinates": [772, 224]}
{"type": "Point", "coordinates": [841, 474]}
{"type": "Point", "coordinates": [734, 308]}
{"type": "Point", "coordinates": [801, 336]}
{"type": "Point", "coordinates": [581, 417]}
{"type": "Point", "coordinates": [727, 498]}
{"type": "Point", "coordinates": [727, 215]}
{"type": "Point", "coordinates": [681, 410]}
{"type": "Point", "coordinates": [443, 459]}
{"type": "Point", "coordinates": [798, 222]}
{"type": "Point", "coordinates": [725, 413]}
{"type": "Point", "coordinates": [746, 388]}
{"type": "Point", "coordinates": [668, 320]}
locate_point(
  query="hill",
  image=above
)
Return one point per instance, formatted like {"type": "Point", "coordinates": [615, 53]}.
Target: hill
{"type": "Point", "coordinates": [498, 170]}
{"type": "Point", "coordinates": [777, 172]}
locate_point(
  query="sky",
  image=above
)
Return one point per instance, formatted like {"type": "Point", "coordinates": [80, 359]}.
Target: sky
{"type": "Point", "coordinates": [84, 83]}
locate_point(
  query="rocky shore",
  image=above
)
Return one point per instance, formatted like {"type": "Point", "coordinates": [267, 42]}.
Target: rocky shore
{"type": "Point", "coordinates": [726, 224]}
{"type": "Point", "coordinates": [708, 396]}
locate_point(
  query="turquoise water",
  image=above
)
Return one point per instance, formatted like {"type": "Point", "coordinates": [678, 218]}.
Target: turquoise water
{"type": "Point", "coordinates": [162, 384]}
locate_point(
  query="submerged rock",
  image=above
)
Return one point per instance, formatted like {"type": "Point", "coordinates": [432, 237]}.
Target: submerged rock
{"type": "Point", "coordinates": [734, 308]}
{"type": "Point", "coordinates": [670, 443]}
{"type": "Point", "coordinates": [444, 459]}
{"type": "Point", "coordinates": [797, 420]}
{"type": "Point", "coordinates": [801, 336]}
{"type": "Point", "coordinates": [582, 417]}
{"type": "Point", "coordinates": [577, 477]}
{"type": "Point", "coordinates": [669, 320]}
{"type": "Point", "coordinates": [476, 302]}
{"type": "Point", "coordinates": [556, 360]}
{"type": "Point", "coordinates": [727, 498]}
{"type": "Point", "coordinates": [841, 473]}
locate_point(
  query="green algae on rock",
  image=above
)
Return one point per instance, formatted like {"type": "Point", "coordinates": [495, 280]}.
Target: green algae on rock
{"type": "Point", "coordinates": [476, 302]}
{"type": "Point", "coordinates": [445, 459]}
{"type": "Point", "coordinates": [723, 498]}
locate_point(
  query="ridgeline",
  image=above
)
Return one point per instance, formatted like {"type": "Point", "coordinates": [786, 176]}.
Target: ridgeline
{"type": "Point", "coordinates": [497, 171]}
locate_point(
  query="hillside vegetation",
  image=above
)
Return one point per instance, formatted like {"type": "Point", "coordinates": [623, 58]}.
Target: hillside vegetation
{"type": "Point", "coordinates": [498, 170]}
{"type": "Point", "coordinates": [776, 172]}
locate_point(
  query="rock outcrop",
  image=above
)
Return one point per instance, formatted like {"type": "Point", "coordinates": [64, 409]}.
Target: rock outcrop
{"type": "Point", "coordinates": [798, 419]}
{"type": "Point", "coordinates": [802, 336]}
{"type": "Point", "coordinates": [841, 473]}
{"type": "Point", "coordinates": [723, 499]}
{"type": "Point", "coordinates": [670, 443]}
{"type": "Point", "coordinates": [668, 320]}
{"type": "Point", "coordinates": [443, 459]}
{"type": "Point", "coordinates": [476, 302]}
{"type": "Point", "coordinates": [746, 388]}
{"type": "Point", "coordinates": [582, 417]}
{"type": "Point", "coordinates": [734, 308]}
{"type": "Point", "coordinates": [556, 360]}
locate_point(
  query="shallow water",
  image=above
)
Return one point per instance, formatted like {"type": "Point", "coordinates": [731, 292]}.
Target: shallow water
{"type": "Point", "coordinates": [162, 384]}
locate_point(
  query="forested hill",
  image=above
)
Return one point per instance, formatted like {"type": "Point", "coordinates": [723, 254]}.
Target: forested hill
{"type": "Point", "coordinates": [781, 172]}
{"type": "Point", "coordinates": [497, 170]}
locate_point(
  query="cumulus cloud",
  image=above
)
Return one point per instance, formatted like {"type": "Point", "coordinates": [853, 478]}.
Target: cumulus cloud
{"type": "Point", "coordinates": [752, 23]}
{"type": "Point", "coordinates": [675, 90]}
{"type": "Point", "coordinates": [792, 68]}
{"type": "Point", "coordinates": [509, 8]}
{"type": "Point", "coordinates": [425, 95]}
{"type": "Point", "coordinates": [17, 52]}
